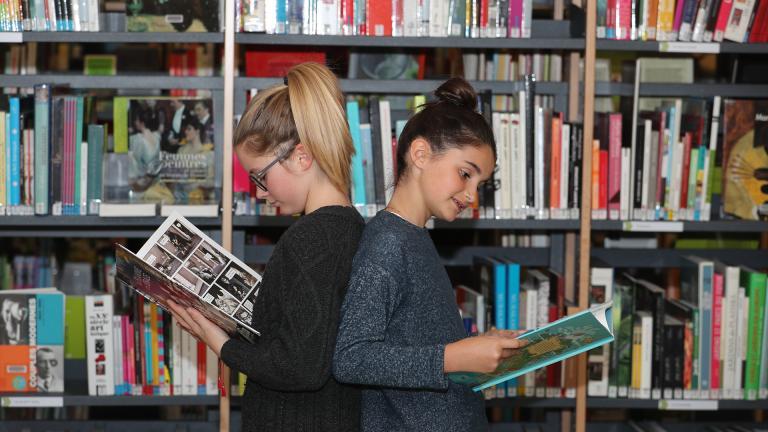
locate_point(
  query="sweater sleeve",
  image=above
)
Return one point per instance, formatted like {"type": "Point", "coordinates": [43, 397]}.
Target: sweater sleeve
{"type": "Point", "coordinates": [363, 353]}
{"type": "Point", "coordinates": [295, 355]}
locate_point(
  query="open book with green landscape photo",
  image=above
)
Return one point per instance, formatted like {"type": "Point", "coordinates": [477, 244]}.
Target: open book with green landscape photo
{"type": "Point", "coordinates": [552, 343]}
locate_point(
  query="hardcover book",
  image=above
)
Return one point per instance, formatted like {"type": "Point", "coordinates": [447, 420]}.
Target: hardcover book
{"type": "Point", "coordinates": [546, 345]}
{"type": "Point", "coordinates": [182, 264]}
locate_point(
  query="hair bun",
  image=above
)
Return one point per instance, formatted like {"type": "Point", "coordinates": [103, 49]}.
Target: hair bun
{"type": "Point", "coordinates": [457, 91]}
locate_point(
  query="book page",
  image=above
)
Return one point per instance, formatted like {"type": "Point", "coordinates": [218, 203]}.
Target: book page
{"type": "Point", "coordinates": [555, 342]}
{"type": "Point", "coordinates": [196, 267]}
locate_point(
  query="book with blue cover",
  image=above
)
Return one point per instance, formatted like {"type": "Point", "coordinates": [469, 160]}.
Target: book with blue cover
{"type": "Point", "coordinates": [550, 344]}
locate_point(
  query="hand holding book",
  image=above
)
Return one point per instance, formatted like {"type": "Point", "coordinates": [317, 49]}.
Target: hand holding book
{"type": "Point", "coordinates": [481, 354]}
{"type": "Point", "coordinates": [552, 343]}
{"type": "Point", "coordinates": [199, 326]}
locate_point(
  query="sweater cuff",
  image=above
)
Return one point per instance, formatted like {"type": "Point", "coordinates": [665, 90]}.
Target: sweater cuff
{"type": "Point", "coordinates": [439, 366]}
{"type": "Point", "coordinates": [229, 353]}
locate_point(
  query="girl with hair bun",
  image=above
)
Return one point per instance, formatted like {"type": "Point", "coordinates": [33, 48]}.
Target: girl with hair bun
{"type": "Point", "coordinates": [294, 140]}
{"type": "Point", "coordinates": [400, 330]}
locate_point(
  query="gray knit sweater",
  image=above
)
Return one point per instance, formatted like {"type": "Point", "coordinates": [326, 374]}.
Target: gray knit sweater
{"type": "Point", "coordinates": [398, 315]}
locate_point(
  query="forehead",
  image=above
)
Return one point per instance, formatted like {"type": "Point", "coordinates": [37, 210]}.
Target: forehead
{"type": "Point", "coordinates": [482, 156]}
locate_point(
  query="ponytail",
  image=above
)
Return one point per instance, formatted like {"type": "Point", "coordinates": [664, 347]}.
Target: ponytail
{"type": "Point", "coordinates": [309, 109]}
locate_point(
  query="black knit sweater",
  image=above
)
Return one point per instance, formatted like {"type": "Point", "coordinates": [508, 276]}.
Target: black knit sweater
{"type": "Point", "coordinates": [290, 386]}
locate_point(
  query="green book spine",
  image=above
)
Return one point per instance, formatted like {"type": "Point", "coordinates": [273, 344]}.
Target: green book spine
{"type": "Point", "coordinates": [120, 119]}
{"type": "Point", "coordinates": [693, 174]}
{"type": "Point", "coordinates": [624, 340]}
{"type": "Point", "coordinates": [74, 328]}
{"type": "Point", "coordinates": [696, 365]}
{"type": "Point", "coordinates": [754, 283]}
{"type": "Point", "coordinates": [95, 156]}
{"type": "Point", "coordinates": [78, 153]}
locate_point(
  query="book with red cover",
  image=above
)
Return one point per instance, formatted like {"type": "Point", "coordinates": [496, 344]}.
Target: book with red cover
{"type": "Point", "coordinates": [268, 63]}
{"type": "Point", "coordinates": [379, 18]}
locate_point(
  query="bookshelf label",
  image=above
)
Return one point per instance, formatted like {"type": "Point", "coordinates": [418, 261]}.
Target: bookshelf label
{"type": "Point", "coordinates": [32, 402]}
{"type": "Point", "coordinates": [652, 226]}
{"type": "Point", "coordinates": [689, 47]}
{"type": "Point", "coordinates": [687, 405]}
{"type": "Point", "coordinates": [10, 37]}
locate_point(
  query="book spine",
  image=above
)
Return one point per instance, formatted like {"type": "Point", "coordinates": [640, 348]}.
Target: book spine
{"type": "Point", "coordinates": [738, 24]}
{"type": "Point", "coordinates": [717, 304]}
{"type": "Point", "coordinates": [117, 354]}
{"type": "Point", "coordinates": [705, 349]}
{"type": "Point", "coordinates": [15, 146]}
{"type": "Point", "coordinates": [98, 310]}
{"type": "Point", "coordinates": [689, 15]}
{"type": "Point", "coordinates": [358, 181]}
{"type": "Point", "coordinates": [386, 149]}
{"type": "Point", "coordinates": [711, 20]}
{"type": "Point", "coordinates": [756, 286]}
{"type": "Point", "coordinates": [614, 169]}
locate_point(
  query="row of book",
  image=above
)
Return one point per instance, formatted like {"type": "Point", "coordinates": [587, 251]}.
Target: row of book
{"type": "Point", "coordinates": [683, 20]}
{"type": "Point", "coordinates": [710, 343]}
{"type": "Point", "coordinates": [55, 154]}
{"type": "Point", "coordinates": [458, 18]}
{"type": "Point", "coordinates": [94, 16]}
{"type": "Point", "coordinates": [707, 344]}
{"type": "Point", "coordinates": [143, 352]}
{"type": "Point", "coordinates": [509, 297]}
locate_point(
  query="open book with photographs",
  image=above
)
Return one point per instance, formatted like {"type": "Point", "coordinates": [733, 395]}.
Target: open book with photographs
{"type": "Point", "coordinates": [182, 264]}
{"type": "Point", "coordinates": [552, 343]}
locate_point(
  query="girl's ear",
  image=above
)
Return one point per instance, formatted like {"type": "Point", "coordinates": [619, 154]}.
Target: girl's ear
{"type": "Point", "coordinates": [302, 159]}
{"type": "Point", "coordinates": [420, 152]}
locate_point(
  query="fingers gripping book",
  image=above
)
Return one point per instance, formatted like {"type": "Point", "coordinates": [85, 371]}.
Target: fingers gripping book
{"type": "Point", "coordinates": [182, 264]}
{"type": "Point", "coordinates": [552, 343]}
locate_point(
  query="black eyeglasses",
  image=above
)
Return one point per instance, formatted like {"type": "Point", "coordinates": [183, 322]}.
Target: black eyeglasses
{"type": "Point", "coordinates": [258, 177]}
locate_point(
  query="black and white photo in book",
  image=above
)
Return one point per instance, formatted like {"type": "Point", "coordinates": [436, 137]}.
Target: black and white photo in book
{"type": "Point", "coordinates": [50, 368]}
{"type": "Point", "coordinates": [206, 262]}
{"type": "Point", "coordinates": [162, 260]}
{"type": "Point", "coordinates": [236, 281]}
{"type": "Point", "coordinates": [14, 314]}
{"type": "Point", "coordinates": [216, 295]}
{"type": "Point", "coordinates": [243, 315]}
{"type": "Point", "coordinates": [179, 241]}
{"type": "Point", "coordinates": [251, 299]}
{"type": "Point", "coordinates": [189, 281]}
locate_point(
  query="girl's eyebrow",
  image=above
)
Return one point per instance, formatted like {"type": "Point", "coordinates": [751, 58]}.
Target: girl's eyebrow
{"type": "Point", "coordinates": [474, 165]}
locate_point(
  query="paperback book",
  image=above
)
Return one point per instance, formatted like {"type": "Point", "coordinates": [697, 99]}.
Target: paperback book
{"type": "Point", "coordinates": [546, 345]}
{"type": "Point", "coordinates": [182, 264]}
{"type": "Point", "coordinates": [32, 341]}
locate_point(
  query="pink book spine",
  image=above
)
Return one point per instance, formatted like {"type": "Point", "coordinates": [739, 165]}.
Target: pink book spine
{"type": "Point", "coordinates": [241, 183]}
{"type": "Point", "coordinates": [515, 21]}
{"type": "Point", "coordinates": [623, 18]}
{"type": "Point", "coordinates": [126, 352]}
{"type": "Point", "coordinates": [614, 167]}
{"type": "Point", "coordinates": [678, 17]}
{"type": "Point", "coordinates": [131, 356]}
{"type": "Point", "coordinates": [722, 19]}
{"type": "Point", "coordinates": [717, 317]}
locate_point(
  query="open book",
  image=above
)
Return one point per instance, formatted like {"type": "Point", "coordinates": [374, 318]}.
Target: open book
{"type": "Point", "coordinates": [552, 343]}
{"type": "Point", "coordinates": [182, 264]}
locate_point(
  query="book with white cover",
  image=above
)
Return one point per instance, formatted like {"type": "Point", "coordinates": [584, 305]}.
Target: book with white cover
{"type": "Point", "coordinates": [182, 264]}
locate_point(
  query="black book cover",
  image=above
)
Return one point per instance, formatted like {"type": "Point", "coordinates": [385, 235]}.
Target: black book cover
{"type": "Point", "coordinates": [530, 95]}
{"type": "Point", "coordinates": [639, 160]}
{"type": "Point", "coordinates": [378, 155]}
{"type": "Point", "coordinates": [650, 297]}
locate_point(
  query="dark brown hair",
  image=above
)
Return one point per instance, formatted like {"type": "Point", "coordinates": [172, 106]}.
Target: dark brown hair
{"type": "Point", "coordinates": [450, 121]}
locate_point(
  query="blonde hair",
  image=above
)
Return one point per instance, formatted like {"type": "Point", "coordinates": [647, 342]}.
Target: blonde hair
{"type": "Point", "coordinates": [309, 109]}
